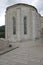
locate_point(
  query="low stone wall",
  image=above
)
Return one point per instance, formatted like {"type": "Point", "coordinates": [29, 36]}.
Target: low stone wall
{"type": "Point", "coordinates": [3, 43]}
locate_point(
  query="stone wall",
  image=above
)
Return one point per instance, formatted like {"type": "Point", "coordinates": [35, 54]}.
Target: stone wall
{"type": "Point", "coordinates": [3, 43]}
{"type": "Point", "coordinates": [33, 23]}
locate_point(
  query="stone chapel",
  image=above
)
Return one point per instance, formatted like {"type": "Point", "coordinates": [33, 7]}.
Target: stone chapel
{"type": "Point", "coordinates": [22, 22]}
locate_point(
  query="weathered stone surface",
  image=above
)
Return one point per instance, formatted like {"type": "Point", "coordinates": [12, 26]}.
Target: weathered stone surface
{"type": "Point", "coordinates": [3, 43]}
{"type": "Point", "coordinates": [32, 23]}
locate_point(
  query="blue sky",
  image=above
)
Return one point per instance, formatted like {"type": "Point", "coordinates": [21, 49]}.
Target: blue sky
{"type": "Point", "coordinates": [5, 3]}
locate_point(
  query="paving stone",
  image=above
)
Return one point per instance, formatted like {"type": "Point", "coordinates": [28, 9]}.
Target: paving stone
{"type": "Point", "coordinates": [28, 53]}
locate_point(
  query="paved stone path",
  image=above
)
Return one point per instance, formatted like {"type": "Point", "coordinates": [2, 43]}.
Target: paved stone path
{"type": "Point", "coordinates": [28, 53]}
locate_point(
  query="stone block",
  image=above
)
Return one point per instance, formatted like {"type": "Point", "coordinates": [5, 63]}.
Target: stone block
{"type": "Point", "coordinates": [3, 43]}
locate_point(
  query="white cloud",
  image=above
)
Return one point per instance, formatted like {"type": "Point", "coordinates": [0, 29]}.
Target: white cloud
{"type": "Point", "coordinates": [34, 2]}
{"type": "Point", "coordinates": [2, 6]}
{"type": "Point", "coordinates": [10, 2]}
{"type": "Point", "coordinates": [41, 12]}
{"type": "Point", "coordinates": [2, 19]}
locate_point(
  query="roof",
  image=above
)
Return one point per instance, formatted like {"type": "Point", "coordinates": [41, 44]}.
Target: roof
{"type": "Point", "coordinates": [21, 4]}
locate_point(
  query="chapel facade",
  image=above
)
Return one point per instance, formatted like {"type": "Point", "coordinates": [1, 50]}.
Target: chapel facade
{"type": "Point", "coordinates": [22, 22]}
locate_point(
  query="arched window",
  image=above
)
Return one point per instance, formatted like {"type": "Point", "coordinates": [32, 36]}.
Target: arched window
{"type": "Point", "coordinates": [14, 25]}
{"type": "Point", "coordinates": [25, 25]}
